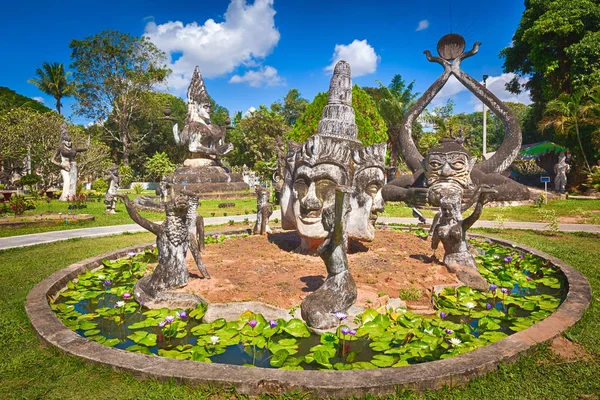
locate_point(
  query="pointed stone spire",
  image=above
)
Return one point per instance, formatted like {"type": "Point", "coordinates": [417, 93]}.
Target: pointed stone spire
{"type": "Point", "coordinates": [338, 115]}
{"type": "Point", "coordinates": [197, 91]}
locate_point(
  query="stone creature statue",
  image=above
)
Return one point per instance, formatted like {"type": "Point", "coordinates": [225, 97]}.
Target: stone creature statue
{"type": "Point", "coordinates": [338, 292]}
{"type": "Point", "coordinates": [264, 210]}
{"type": "Point", "coordinates": [199, 134]}
{"type": "Point", "coordinates": [561, 169]}
{"type": "Point", "coordinates": [163, 189]}
{"type": "Point", "coordinates": [278, 175]}
{"type": "Point", "coordinates": [67, 164]}
{"type": "Point", "coordinates": [173, 239]}
{"type": "Point", "coordinates": [113, 185]}
{"type": "Point", "coordinates": [413, 189]}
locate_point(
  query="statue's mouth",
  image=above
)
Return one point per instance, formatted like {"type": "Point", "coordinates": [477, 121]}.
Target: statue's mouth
{"type": "Point", "coordinates": [311, 218]}
{"type": "Point", "coordinates": [373, 218]}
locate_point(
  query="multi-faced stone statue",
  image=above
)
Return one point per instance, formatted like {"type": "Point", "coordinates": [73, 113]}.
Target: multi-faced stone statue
{"type": "Point", "coordinates": [113, 185]}
{"type": "Point", "coordinates": [67, 164]}
{"type": "Point", "coordinates": [561, 169]}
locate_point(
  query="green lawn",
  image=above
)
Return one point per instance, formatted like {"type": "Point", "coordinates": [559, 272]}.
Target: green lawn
{"type": "Point", "coordinates": [208, 208]}
{"type": "Point", "coordinates": [28, 370]}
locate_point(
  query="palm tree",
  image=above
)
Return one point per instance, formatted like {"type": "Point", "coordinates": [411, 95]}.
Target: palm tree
{"type": "Point", "coordinates": [53, 80]}
{"type": "Point", "coordinates": [396, 99]}
{"type": "Point", "coordinates": [567, 113]}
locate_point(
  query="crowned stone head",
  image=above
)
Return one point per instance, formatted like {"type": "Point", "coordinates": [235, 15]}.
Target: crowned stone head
{"type": "Point", "coordinates": [198, 99]}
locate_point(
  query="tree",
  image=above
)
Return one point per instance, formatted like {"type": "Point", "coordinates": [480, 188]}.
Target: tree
{"type": "Point", "coordinates": [292, 108]}
{"type": "Point", "coordinates": [159, 165]}
{"type": "Point", "coordinates": [371, 127]}
{"type": "Point", "coordinates": [113, 71]}
{"type": "Point", "coordinates": [253, 139]}
{"type": "Point", "coordinates": [10, 99]}
{"type": "Point", "coordinates": [393, 101]}
{"type": "Point", "coordinates": [54, 81]}
{"type": "Point", "coordinates": [567, 114]}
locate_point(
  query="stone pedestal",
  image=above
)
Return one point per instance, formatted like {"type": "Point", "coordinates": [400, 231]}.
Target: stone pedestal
{"type": "Point", "coordinates": [204, 177]}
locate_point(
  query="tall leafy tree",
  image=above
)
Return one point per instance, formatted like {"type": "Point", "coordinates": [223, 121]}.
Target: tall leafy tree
{"type": "Point", "coordinates": [53, 80]}
{"type": "Point", "coordinates": [113, 71]}
{"type": "Point", "coordinates": [292, 108]}
{"type": "Point", "coordinates": [10, 99]}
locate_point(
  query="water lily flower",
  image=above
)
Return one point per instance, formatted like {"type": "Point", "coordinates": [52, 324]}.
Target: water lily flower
{"type": "Point", "coordinates": [340, 315]}
{"type": "Point", "coordinates": [352, 332]}
{"type": "Point", "coordinates": [345, 330]}
{"type": "Point", "coordinates": [488, 306]}
{"type": "Point", "coordinates": [449, 331]}
{"type": "Point", "coordinates": [101, 277]}
{"type": "Point", "coordinates": [272, 323]}
{"type": "Point", "coordinates": [126, 295]}
{"type": "Point", "coordinates": [182, 314]}
{"type": "Point", "coordinates": [521, 256]}
{"type": "Point", "coordinates": [252, 323]}
{"type": "Point", "coordinates": [131, 253]}
{"type": "Point", "coordinates": [214, 339]}
{"type": "Point", "coordinates": [443, 315]}
{"type": "Point", "coordinates": [162, 324]}
{"type": "Point", "coordinates": [504, 290]}
{"type": "Point", "coordinates": [493, 287]}
{"type": "Point", "coordinates": [428, 331]}
{"type": "Point", "coordinates": [107, 282]}
{"type": "Point", "coordinates": [528, 278]}
{"type": "Point", "coordinates": [169, 318]}
{"type": "Point", "coordinates": [455, 341]}
{"type": "Point", "coordinates": [470, 305]}
{"type": "Point", "coordinates": [119, 304]}
{"type": "Point", "coordinates": [508, 259]}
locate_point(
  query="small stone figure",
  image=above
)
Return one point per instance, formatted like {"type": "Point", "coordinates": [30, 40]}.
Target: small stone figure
{"type": "Point", "coordinates": [338, 292]}
{"type": "Point", "coordinates": [561, 169]}
{"type": "Point", "coordinates": [173, 239]}
{"type": "Point", "coordinates": [163, 189]}
{"type": "Point", "coordinates": [68, 166]}
{"type": "Point", "coordinates": [264, 209]}
{"type": "Point", "coordinates": [278, 175]}
{"type": "Point", "coordinates": [113, 185]}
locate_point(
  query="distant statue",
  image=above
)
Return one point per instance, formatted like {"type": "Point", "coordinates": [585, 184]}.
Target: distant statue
{"type": "Point", "coordinates": [204, 139]}
{"type": "Point", "coordinates": [264, 210]}
{"type": "Point", "coordinates": [67, 164]}
{"type": "Point", "coordinates": [163, 189]}
{"type": "Point", "coordinates": [561, 169]}
{"type": "Point", "coordinates": [278, 175]}
{"type": "Point", "coordinates": [113, 185]}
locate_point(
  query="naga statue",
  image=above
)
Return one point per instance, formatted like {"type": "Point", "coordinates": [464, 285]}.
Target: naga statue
{"type": "Point", "coordinates": [264, 210]}
{"type": "Point", "coordinates": [67, 164]}
{"type": "Point", "coordinates": [338, 293]}
{"type": "Point", "coordinates": [173, 238]}
{"type": "Point", "coordinates": [113, 185]}
{"type": "Point", "coordinates": [202, 138]}
{"type": "Point", "coordinates": [447, 162]}
{"type": "Point", "coordinates": [332, 157]}
{"type": "Point", "coordinates": [561, 169]}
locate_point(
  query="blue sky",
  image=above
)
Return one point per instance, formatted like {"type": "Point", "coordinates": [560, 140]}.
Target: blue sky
{"type": "Point", "coordinates": [253, 52]}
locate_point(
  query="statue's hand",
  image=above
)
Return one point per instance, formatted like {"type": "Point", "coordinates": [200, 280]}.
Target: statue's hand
{"type": "Point", "coordinates": [485, 191]}
{"type": "Point", "coordinates": [417, 197]}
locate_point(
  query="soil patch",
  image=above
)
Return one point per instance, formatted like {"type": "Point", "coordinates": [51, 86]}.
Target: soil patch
{"type": "Point", "coordinates": [569, 351]}
{"type": "Point", "coordinates": [43, 220]}
{"type": "Point", "coordinates": [265, 269]}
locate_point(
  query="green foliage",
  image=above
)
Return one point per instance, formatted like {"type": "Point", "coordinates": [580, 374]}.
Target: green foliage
{"type": "Point", "coordinates": [100, 185]}
{"type": "Point", "coordinates": [593, 179]}
{"type": "Point", "coordinates": [371, 127]}
{"type": "Point", "coordinates": [10, 99]}
{"type": "Point", "coordinates": [411, 293]}
{"type": "Point", "coordinates": [18, 205]}
{"type": "Point", "coordinates": [52, 79]}
{"type": "Point", "coordinates": [30, 179]}
{"type": "Point", "coordinates": [126, 175]}
{"type": "Point", "coordinates": [292, 108]}
{"type": "Point", "coordinates": [138, 188]}
{"type": "Point", "coordinates": [159, 165]}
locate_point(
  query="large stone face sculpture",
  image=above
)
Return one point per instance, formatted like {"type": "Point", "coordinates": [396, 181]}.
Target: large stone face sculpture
{"type": "Point", "coordinates": [173, 239]}
{"type": "Point", "coordinates": [113, 185]}
{"type": "Point", "coordinates": [203, 173]}
{"type": "Point", "coordinates": [67, 164]}
{"type": "Point", "coordinates": [330, 158]}
{"type": "Point", "coordinates": [561, 169]}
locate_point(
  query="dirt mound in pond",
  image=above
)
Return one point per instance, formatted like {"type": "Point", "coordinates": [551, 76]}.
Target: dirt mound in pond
{"type": "Point", "coordinates": [265, 268]}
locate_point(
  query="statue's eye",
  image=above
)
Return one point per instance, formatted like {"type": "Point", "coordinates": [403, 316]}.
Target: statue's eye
{"type": "Point", "coordinates": [435, 164]}
{"type": "Point", "coordinates": [458, 164]}
{"type": "Point", "coordinates": [373, 188]}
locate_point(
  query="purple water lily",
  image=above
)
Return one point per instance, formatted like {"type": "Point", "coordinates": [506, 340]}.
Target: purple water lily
{"type": "Point", "coordinates": [345, 330]}
{"type": "Point", "coordinates": [272, 323]}
{"type": "Point", "coordinates": [493, 287]}
{"type": "Point", "coordinates": [182, 314]}
{"type": "Point", "coordinates": [126, 295]}
{"type": "Point", "coordinates": [107, 282]}
{"type": "Point", "coordinates": [504, 290]}
{"type": "Point", "coordinates": [169, 318]}
{"type": "Point", "coordinates": [528, 278]}
{"type": "Point", "coordinates": [508, 259]}
{"type": "Point", "coordinates": [443, 315]}
{"type": "Point", "coordinates": [352, 332]}
{"type": "Point", "coordinates": [488, 306]}
{"type": "Point", "coordinates": [162, 324]}
{"type": "Point", "coordinates": [252, 323]}
{"type": "Point", "coordinates": [131, 253]}
{"type": "Point", "coordinates": [449, 331]}
{"type": "Point", "coordinates": [340, 315]}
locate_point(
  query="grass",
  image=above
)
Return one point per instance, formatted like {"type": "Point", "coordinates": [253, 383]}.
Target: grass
{"type": "Point", "coordinates": [28, 370]}
{"type": "Point", "coordinates": [207, 209]}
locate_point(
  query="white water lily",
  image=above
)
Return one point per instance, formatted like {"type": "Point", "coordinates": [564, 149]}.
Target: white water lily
{"type": "Point", "coordinates": [470, 305]}
{"type": "Point", "coordinates": [214, 339]}
{"type": "Point", "coordinates": [455, 341]}
{"type": "Point", "coordinates": [101, 277]}
{"type": "Point", "coordinates": [428, 331]}
{"type": "Point", "coordinates": [120, 303]}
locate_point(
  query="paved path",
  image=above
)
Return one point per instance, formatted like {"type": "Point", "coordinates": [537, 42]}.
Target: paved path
{"type": "Point", "coordinates": [48, 237]}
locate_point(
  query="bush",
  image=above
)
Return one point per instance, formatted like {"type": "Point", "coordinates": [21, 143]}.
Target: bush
{"type": "Point", "coordinates": [18, 204]}
{"type": "Point", "coordinates": [100, 185]}
{"type": "Point", "coordinates": [4, 207]}
{"type": "Point", "coordinates": [138, 188]}
{"type": "Point", "coordinates": [159, 165]}
{"type": "Point", "coordinates": [593, 179]}
{"type": "Point", "coordinates": [126, 175]}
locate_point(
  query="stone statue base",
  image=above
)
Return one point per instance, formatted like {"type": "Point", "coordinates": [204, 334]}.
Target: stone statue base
{"type": "Point", "coordinates": [204, 177]}
{"type": "Point", "coordinates": [165, 299]}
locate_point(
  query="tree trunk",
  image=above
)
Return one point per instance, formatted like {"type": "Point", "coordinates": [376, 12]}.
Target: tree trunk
{"type": "Point", "coordinates": [58, 105]}
{"type": "Point", "coordinates": [125, 149]}
{"type": "Point", "coordinates": [587, 164]}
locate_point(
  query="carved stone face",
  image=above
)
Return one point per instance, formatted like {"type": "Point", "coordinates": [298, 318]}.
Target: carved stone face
{"type": "Point", "coordinates": [204, 111]}
{"type": "Point", "coordinates": [313, 191]}
{"type": "Point", "coordinates": [365, 202]}
{"type": "Point", "coordinates": [452, 167]}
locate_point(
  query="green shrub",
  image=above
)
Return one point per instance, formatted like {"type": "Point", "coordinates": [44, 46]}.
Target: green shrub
{"type": "Point", "coordinates": [412, 293]}
{"type": "Point", "coordinates": [126, 175]}
{"type": "Point", "coordinates": [159, 165]}
{"type": "Point", "coordinates": [100, 185]}
{"type": "Point", "coordinates": [138, 188]}
{"type": "Point", "coordinates": [593, 179]}
{"type": "Point", "coordinates": [18, 204]}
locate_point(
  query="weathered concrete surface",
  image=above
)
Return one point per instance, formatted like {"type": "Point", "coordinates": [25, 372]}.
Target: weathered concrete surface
{"type": "Point", "coordinates": [431, 375]}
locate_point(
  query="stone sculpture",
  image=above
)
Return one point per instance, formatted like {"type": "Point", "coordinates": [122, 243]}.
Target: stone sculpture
{"type": "Point", "coordinates": [561, 169]}
{"type": "Point", "coordinates": [264, 210]}
{"type": "Point", "coordinates": [67, 164]}
{"type": "Point", "coordinates": [173, 238]}
{"type": "Point", "coordinates": [338, 292]}
{"type": "Point", "coordinates": [278, 175]}
{"type": "Point", "coordinates": [332, 157]}
{"type": "Point", "coordinates": [163, 189]}
{"type": "Point", "coordinates": [413, 189]}
{"type": "Point", "coordinates": [113, 185]}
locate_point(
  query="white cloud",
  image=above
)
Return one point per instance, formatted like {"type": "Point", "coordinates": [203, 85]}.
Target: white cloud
{"type": "Point", "coordinates": [497, 85]}
{"type": "Point", "coordinates": [423, 24]}
{"type": "Point", "coordinates": [247, 34]}
{"type": "Point", "coordinates": [451, 88]}
{"type": "Point", "coordinates": [266, 75]}
{"type": "Point", "coordinates": [359, 54]}
{"type": "Point", "coordinates": [249, 112]}
{"type": "Point", "coordinates": [39, 99]}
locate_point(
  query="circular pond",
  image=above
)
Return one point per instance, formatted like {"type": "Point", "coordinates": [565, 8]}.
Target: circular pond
{"type": "Point", "coordinates": [92, 314]}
